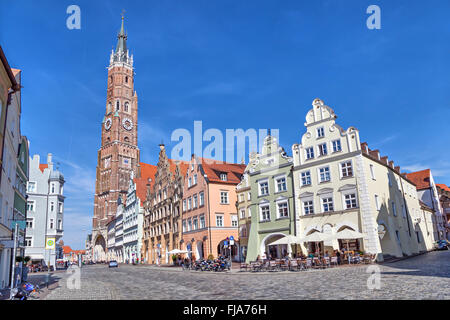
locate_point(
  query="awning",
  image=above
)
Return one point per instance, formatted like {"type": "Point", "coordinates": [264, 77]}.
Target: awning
{"type": "Point", "coordinates": [36, 256]}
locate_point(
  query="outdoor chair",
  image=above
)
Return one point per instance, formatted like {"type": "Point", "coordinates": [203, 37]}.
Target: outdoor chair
{"type": "Point", "coordinates": [273, 266]}
{"type": "Point", "coordinates": [284, 265]}
{"type": "Point", "coordinates": [334, 261]}
{"type": "Point", "coordinates": [326, 262]}
{"type": "Point", "coordinates": [293, 265]}
{"type": "Point", "coordinates": [301, 264]}
{"type": "Point", "coordinates": [316, 263]}
{"type": "Point", "coordinates": [244, 267]}
{"type": "Point", "coordinates": [309, 263]}
{"type": "Point", "coordinates": [255, 266]}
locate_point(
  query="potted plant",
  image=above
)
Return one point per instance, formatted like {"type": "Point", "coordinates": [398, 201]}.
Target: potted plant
{"type": "Point", "coordinates": [174, 259]}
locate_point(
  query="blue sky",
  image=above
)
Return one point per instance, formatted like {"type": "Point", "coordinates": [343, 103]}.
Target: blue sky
{"type": "Point", "coordinates": [231, 64]}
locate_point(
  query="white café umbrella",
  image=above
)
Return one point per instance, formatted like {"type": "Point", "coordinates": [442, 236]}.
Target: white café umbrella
{"type": "Point", "coordinates": [289, 239]}
{"type": "Point", "coordinates": [316, 237]}
{"type": "Point", "coordinates": [348, 234]}
{"type": "Point", "coordinates": [177, 251]}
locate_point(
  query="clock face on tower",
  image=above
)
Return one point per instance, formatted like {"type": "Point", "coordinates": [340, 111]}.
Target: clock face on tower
{"type": "Point", "coordinates": [108, 124]}
{"type": "Point", "coordinates": [127, 124]}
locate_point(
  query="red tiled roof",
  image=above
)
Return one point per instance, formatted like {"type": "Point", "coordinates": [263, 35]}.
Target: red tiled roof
{"type": "Point", "coordinates": [214, 168]}
{"type": "Point", "coordinates": [183, 166]}
{"type": "Point", "coordinates": [420, 178]}
{"type": "Point", "coordinates": [66, 249]}
{"type": "Point", "coordinates": [43, 166]}
{"type": "Point", "coordinates": [443, 187]}
{"type": "Point", "coordinates": [147, 172]}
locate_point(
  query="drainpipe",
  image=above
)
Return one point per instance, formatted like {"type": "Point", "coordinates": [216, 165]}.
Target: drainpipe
{"type": "Point", "coordinates": [293, 207]}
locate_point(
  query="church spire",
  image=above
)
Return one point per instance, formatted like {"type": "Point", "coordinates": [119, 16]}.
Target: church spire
{"type": "Point", "coordinates": [121, 53]}
{"type": "Point", "coordinates": [121, 40]}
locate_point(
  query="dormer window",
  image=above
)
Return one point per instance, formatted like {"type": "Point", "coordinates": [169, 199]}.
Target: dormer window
{"type": "Point", "coordinates": [320, 132]}
{"type": "Point", "coordinates": [223, 176]}
{"type": "Point", "coordinates": [323, 149]}
{"type": "Point", "coordinates": [309, 153]}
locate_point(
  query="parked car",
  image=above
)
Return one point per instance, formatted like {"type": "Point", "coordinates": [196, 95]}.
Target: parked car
{"type": "Point", "coordinates": [113, 264]}
{"type": "Point", "coordinates": [442, 245]}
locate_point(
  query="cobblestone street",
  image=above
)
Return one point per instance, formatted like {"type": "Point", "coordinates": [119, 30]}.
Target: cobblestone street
{"type": "Point", "coordinates": [422, 277]}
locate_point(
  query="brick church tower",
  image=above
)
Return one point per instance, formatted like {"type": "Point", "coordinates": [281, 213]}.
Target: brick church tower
{"type": "Point", "coordinates": [119, 153]}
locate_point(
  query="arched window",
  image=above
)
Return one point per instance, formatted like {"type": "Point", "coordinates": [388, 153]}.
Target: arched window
{"type": "Point", "coordinates": [126, 106]}
{"type": "Point", "coordinates": [108, 108]}
{"type": "Point", "coordinates": [126, 79]}
{"type": "Point", "coordinates": [117, 105]}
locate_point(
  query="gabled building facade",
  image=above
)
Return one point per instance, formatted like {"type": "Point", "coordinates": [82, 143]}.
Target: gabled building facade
{"type": "Point", "coordinates": [340, 183]}
{"type": "Point", "coordinates": [45, 210]}
{"type": "Point", "coordinates": [162, 223]}
{"type": "Point", "coordinates": [272, 205]}
{"type": "Point", "coordinates": [444, 198]}
{"type": "Point", "coordinates": [209, 208]}
{"type": "Point", "coordinates": [428, 193]}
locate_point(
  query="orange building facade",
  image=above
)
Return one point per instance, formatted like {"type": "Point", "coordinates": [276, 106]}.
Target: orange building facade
{"type": "Point", "coordinates": [209, 208]}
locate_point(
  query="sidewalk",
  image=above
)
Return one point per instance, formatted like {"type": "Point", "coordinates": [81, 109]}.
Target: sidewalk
{"type": "Point", "coordinates": [38, 278]}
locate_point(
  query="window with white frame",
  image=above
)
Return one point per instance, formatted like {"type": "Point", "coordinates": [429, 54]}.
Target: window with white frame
{"type": "Point", "coordinates": [320, 132]}
{"type": "Point", "coordinates": [242, 213]}
{"type": "Point", "coordinates": [202, 198]}
{"type": "Point", "coordinates": [219, 220]}
{"type": "Point", "coordinates": [283, 211]}
{"type": "Point", "coordinates": [202, 221]}
{"type": "Point", "coordinates": [52, 206]}
{"type": "Point", "coordinates": [195, 202]}
{"type": "Point", "coordinates": [308, 207]}
{"type": "Point", "coordinates": [31, 186]}
{"type": "Point", "coordinates": [189, 225]}
{"type": "Point", "coordinates": [346, 169]}
{"type": "Point", "coordinates": [223, 177]}
{"type": "Point", "coordinates": [265, 212]}
{"type": "Point", "coordinates": [195, 179]}
{"type": "Point", "coordinates": [263, 188]}
{"type": "Point", "coordinates": [30, 223]}
{"type": "Point", "coordinates": [389, 179]}
{"type": "Point", "coordinates": [189, 182]}
{"type": "Point", "coordinates": [51, 223]}
{"type": "Point", "coordinates": [224, 197]}
{"type": "Point", "coordinates": [281, 184]}
{"type": "Point", "coordinates": [189, 203]}
{"type": "Point", "coordinates": [322, 149]}
{"type": "Point", "coordinates": [234, 220]}
{"type": "Point", "coordinates": [195, 223]}
{"type": "Point", "coordinates": [53, 188]}
{"type": "Point", "coordinates": [249, 212]}
{"type": "Point", "coordinates": [31, 205]}
{"type": "Point", "coordinates": [324, 174]}
{"type": "Point", "coordinates": [305, 178]}
{"type": "Point", "coordinates": [309, 153]}
{"type": "Point", "coordinates": [394, 209]}
{"type": "Point", "coordinates": [60, 207]}
{"type": "Point", "coordinates": [29, 241]}
{"type": "Point", "coordinates": [350, 201]}
{"type": "Point", "coordinates": [249, 196]}
{"type": "Point", "coordinates": [337, 145]}
{"type": "Point", "coordinates": [327, 204]}
{"type": "Point", "coordinates": [377, 202]}
{"type": "Point", "coordinates": [184, 205]}
{"type": "Point", "coordinates": [372, 172]}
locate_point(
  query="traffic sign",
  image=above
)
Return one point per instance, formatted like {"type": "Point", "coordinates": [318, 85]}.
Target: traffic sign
{"type": "Point", "coordinates": [231, 240]}
{"type": "Point", "coordinates": [50, 243]}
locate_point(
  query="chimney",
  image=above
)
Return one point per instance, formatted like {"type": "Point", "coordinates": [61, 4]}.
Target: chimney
{"type": "Point", "coordinates": [397, 168]}
{"type": "Point", "coordinates": [365, 147]}
{"type": "Point", "coordinates": [49, 161]}
{"type": "Point", "coordinates": [391, 164]}
{"type": "Point", "coordinates": [384, 160]}
{"type": "Point", "coordinates": [375, 154]}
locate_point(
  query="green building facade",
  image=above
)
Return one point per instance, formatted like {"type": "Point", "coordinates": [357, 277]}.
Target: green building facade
{"type": "Point", "coordinates": [20, 195]}
{"type": "Point", "coordinates": [272, 204]}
